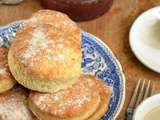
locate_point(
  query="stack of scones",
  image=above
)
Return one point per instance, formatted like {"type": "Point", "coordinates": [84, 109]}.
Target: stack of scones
{"type": "Point", "coordinates": [45, 59]}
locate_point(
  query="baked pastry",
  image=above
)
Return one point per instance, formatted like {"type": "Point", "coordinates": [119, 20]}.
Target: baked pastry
{"type": "Point", "coordinates": [45, 58]}
{"type": "Point", "coordinates": [105, 96]}
{"type": "Point", "coordinates": [85, 100]}
{"type": "Point", "coordinates": [13, 105]}
{"type": "Point", "coordinates": [6, 79]}
{"type": "Point", "coordinates": [56, 19]}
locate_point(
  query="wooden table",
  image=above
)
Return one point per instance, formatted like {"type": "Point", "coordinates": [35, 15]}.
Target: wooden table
{"type": "Point", "coordinates": [112, 28]}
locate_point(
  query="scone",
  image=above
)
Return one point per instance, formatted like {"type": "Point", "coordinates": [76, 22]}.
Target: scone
{"type": "Point", "coordinates": [105, 97]}
{"type": "Point", "coordinates": [56, 19]}
{"type": "Point", "coordinates": [86, 100]}
{"type": "Point", "coordinates": [45, 58]}
{"type": "Point", "coordinates": [13, 105]}
{"type": "Point", "coordinates": [6, 79]}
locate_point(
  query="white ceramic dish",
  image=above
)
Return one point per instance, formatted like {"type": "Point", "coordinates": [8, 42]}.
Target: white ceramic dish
{"type": "Point", "coordinates": [145, 38]}
{"type": "Point", "coordinates": [147, 106]}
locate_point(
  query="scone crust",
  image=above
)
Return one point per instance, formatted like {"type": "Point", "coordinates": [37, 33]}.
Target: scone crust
{"type": "Point", "coordinates": [105, 93]}
{"type": "Point", "coordinates": [79, 102]}
{"type": "Point", "coordinates": [13, 105]}
{"type": "Point", "coordinates": [56, 19]}
{"type": "Point", "coordinates": [44, 58]}
{"type": "Point", "coordinates": [6, 79]}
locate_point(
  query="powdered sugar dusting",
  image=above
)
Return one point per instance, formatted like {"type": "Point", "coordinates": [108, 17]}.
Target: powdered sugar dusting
{"type": "Point", "coordinates": [3, 71]}
{"type": "Point", "coordinates": [41, 47]}
{"type": "Point", "coordinates": [55, 19]}
{"type": "Point", "coordinates": [37, 43]}
{"type": "Point", "coordinates": [14, 108]}
{"type": "Point", "coordinates": [73, 98]}
{"type": "Point", "coordinates": [34, 43]}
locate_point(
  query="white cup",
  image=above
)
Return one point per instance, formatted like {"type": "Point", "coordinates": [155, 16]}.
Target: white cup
{"type": "Point", "coordinates": [146, 107]}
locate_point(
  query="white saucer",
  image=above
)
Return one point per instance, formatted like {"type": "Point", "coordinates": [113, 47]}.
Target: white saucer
{"type": "Point", "coordinates": [145, 38]}
{"type": "Point", "coordinates": [147, 106]}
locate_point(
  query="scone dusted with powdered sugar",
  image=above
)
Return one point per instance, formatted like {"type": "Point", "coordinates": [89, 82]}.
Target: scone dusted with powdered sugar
{"type": "Point", "coordinates": [56, 19]}
{"type": "Point", "coordinates": [6, 79]}
{"type": "Point", "coordinates": [46, 57]}
{"type": "Point", "coordinates": [13, 105]}
{"type": "Point", "coordinates": [86, 100]}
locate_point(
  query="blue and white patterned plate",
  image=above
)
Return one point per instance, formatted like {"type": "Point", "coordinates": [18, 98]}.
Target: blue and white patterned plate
{"type": "Point", "coordinates": [97, 59]}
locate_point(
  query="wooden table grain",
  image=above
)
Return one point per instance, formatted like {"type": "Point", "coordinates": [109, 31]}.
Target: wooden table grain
{"type": "Point", "coordinates": [112, 28]}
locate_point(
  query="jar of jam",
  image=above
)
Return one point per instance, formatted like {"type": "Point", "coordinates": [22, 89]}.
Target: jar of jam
{"type": "Point", "coordinates": [79, 9]}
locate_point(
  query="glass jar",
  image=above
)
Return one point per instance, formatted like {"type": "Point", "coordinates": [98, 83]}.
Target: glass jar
{"type": "Point", "coordinates": [79, 9]}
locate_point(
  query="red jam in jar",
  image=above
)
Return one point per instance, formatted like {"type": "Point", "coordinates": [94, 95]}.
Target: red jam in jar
{"type": "Point", "coordinates": [79, 9]}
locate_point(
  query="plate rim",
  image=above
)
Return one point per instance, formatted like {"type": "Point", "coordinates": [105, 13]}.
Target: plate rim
{"type": "Point", "coordinates": [10, 24]}
{"type": "Point", "coordinates": [131, 39]}
{"type": "Point", "coordinates": [120, 71]}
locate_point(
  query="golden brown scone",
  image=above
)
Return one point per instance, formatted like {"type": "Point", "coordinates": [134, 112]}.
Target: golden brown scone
{"type": "Point", "coordinates": [13, 105]}
{"type": "Point", "coordinates": [105, 97]}
{"type": "Point", "coordinates": [44, 58]}
{"type": "Point", "coordinates": [79, 102]}
{"type": "Point", "coordinates": [56, 19]}
{"type": "Point", "coordinates": [6, 79]}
